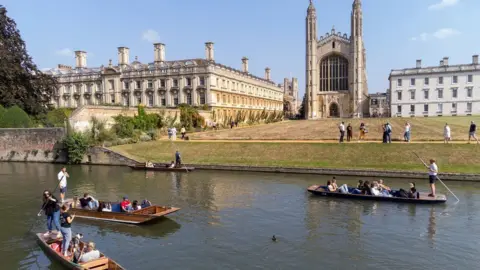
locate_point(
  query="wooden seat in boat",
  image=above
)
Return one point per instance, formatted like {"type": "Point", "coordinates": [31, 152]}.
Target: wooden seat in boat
{"type": "Point", "coordinates": [98, 264]}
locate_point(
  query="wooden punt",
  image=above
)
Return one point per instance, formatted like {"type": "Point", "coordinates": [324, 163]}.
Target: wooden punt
{"type": "Point", "coordinates": [103, 263]}
{"type": "Point", "coordinates": [142, 216]}
{"type": "Point", "coordinates": [423, 199]}
{"type": "Point", "coordinates": [160, 167]}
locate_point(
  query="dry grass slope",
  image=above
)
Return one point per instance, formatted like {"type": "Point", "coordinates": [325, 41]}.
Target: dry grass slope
{"type": "Point", "coordinates": [459, 158]}
{"type": "Point", "coordinates": [423, 129]}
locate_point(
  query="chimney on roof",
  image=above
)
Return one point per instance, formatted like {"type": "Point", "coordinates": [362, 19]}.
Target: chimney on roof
{"type": "Point", "coordinates": [123, 56]}
{"type": "Point", "coordinates": [80, 59]}
{"type": "Point", "coordinates": [209, 52]}
{"type": "Point", "coordinates": [441, 63]}
{"type": "Point", "coordinates": [245, 64]}
{"type": "Point", "coordinates": [158, 52]}
{"type": "Point", "coordinates": [267, 74]}
{"type": "Point", "coordinates": [64, 67]}
{"type": "Point", "coordinates": [419, 63]}
{"type": "Point", "coordinates": [445, 61]}
{"type": "Point", "coordinates": [475, 59]}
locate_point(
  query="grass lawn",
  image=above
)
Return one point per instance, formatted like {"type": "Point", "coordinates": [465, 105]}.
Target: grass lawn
{"type": "Point", "coordinates": [423, 129]}
{"type": "Point", "coordinates": [457, 158]}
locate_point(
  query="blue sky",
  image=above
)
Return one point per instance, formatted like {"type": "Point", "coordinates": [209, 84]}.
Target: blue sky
{"type": "Point", "coordinates": [269, 32]}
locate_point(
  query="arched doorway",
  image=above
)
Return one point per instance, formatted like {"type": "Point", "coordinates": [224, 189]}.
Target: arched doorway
{"type": "Point", "coordinates": [334, 110]}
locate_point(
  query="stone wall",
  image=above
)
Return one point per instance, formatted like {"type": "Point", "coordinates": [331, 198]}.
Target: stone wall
{"type": "Point", "coordinates": [32, 144]}
{"type": "Point", "coordinates": [104, 156]}
{"type": "Point", "coordinates": [80, 118]}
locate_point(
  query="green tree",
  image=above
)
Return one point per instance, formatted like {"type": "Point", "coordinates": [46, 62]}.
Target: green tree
{"type": "Point", "coordinates": [77, 146]}
{"type": "Point", "coordinates": [21, 82]}
{"type": "Point", "coordinates": [2, 111]}
{"type": "Point", "coordinates": [15, 117]}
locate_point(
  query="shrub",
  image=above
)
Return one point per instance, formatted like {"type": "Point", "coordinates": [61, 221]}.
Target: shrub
{"type": "Point", "coordinates": [57, 117]}
{"type": "Point", "coordinates": [76, 145]}
{"type": "Point", "coordinates": [2, 111]}
{"type": "Point", "coordinates": [15, 117]}
{"type": "Point", "coordinates": [124, 126]}
{"type": "Point", "coordinates": [145, 138]}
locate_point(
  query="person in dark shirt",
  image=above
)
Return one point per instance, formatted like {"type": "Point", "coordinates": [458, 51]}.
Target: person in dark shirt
{"type": "Point", "coordinates": [88, 202]}
{"type": "Point", "coordinates": [471, 133]}
{"type": "Point", "coordinates": [52, 211]}
{"type": "Point", "coordinates": [178, 159]}
{"type": "Point", "coordinates": [349, 132]}
{"type": "Point", "coordinates": [65, 228]}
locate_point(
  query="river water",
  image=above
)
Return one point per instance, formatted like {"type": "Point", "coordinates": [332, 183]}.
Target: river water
{"type": "Point", "coordinates": [227, 220]}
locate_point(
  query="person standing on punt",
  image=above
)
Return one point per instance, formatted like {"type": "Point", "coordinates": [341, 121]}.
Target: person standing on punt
{"type": "Point", "coordinates": [178, 159]}
{"type": "Point", "coordinates": [52, 211]}
{"type": "Point", "coordinates": [432, 176]}
{"type": "Point", "coordinates": [62, 182]}
{"type": "Point", "coordinates": [65, 228]}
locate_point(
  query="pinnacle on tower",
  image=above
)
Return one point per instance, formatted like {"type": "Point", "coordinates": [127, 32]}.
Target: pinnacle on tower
{"type": "Point", "coordinates": [311, 7]}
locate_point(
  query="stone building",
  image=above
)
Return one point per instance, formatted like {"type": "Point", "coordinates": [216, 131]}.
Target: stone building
{"type": "Point", "coordinates": [290, 96]}
{"type": "Point", "coordinates": [166, 84]}
{"type": "Point", "coordinates": [336, 79]}
{"type": "Point", "coordinates": [379, 106]}
{"type": "Point", "coordinates": [443, 90]}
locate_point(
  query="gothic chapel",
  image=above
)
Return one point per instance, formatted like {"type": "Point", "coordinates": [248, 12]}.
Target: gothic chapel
{"type": "Point", "coordinates": [336, 79]}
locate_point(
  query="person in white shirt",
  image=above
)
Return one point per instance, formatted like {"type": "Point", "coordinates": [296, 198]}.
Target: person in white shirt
{"type": "Point", "coordinates": [62, 182]}
{"type": "Point", "coordinates": [174, 134]}
{"type": "Point", "coordinates": [341, 128]}
{"type": "Point", "coordinates": [406, 135]}
{"type": "Point", "coordinates": [90, 253]}
{"type": "Point", "coordinates": [446, 134]}
{"type": "Point", "coordinates": [432, 176]}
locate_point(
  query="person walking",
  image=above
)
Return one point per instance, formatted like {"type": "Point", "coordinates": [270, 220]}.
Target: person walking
{"type": "Point", "coordinates": [471, 134]}
{"type": "Point", "coordinates": [62, 182]}
{"type": "Point", "coordinates": [183, 132]}
{"type": "Point", "coordinates": [174, 134]}
{"type": "Point", "coordinates": [384, 133]}
{"type": "Point", "coordinates": [406, 135]}
{"type": "Point", "coordinates": [66, 228]}
{"type": "Point", "coordinates": [52, 211]}
{"type": "Point", "coordinates": [341, 128]}
{"type": "Point", "coordinates": [388, 130]}
{"type": "Point", "coordinates": [447, 136]}
{"type": "Point", "coordinates": [349, 132]}
{"type": "Point", "coordinates": [169, 131]}
{"type": "Point", "coordinates": [363, 130]}
{"type": "Point", "coordinates": [432, 176]}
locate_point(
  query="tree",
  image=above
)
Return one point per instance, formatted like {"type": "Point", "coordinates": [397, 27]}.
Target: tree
{"type": "Point", "coordinates": [15, 117]}
{"type": "Point", "coordinates": [21, 82]}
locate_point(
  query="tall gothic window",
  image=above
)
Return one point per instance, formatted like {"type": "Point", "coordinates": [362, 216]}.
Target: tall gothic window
{"type": "Point", "coordinates": [334, 73]}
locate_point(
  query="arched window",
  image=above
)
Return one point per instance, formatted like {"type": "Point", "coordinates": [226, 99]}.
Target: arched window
{"type": "Point", "coordinates": [334, 73]}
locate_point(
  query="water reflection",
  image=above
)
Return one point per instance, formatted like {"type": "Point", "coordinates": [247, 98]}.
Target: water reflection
{"type": "Point", "coordinates": [432, 225]}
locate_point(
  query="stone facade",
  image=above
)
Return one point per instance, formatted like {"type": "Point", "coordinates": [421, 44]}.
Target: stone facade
{"type": "Point", "coordinates": [32, 144]}
{"type": "Point", "coordinates": [379, 106]}
{"type": "Point", "coordinates": [290, 96]}
{"type": "Point", "coordinates": [443, 90]}
{"type": "Point", "coordinates": [336, 80]}
{"type": "Point", "coordinates": [166, 84]}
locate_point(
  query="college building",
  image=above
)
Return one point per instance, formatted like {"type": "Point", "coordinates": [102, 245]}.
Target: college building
{"type": "Point", "coordinates": [443, 90]}
{"type": "Point", "coordinates": [166, 84]}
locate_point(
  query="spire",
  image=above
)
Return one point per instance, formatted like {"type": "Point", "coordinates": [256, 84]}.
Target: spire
{"type": "Point", "coordinates": [357, 3]}
{"type": "Point", "coordinates": [311, 7]}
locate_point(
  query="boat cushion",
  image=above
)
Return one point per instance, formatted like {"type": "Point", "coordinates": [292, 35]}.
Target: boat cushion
{"type": "Point", "coordinates": [116, 207]}
{"type": "Point", "coordinates": [56, 247]}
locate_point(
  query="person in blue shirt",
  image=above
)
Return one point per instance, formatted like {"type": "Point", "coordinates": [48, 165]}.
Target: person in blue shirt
{"type": "Point", "coordinates": [178, 159]}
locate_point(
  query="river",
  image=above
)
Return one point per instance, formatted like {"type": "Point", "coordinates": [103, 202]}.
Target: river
{"type": "Point", "coordinates": [227, 220]}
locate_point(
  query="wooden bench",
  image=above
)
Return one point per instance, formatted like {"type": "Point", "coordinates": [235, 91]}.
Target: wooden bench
{"type": "Point", "coordinates": [98, 264]}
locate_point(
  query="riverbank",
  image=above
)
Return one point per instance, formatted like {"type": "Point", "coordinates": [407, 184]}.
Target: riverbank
{"type": "Point", "coordinates": [453, 158]}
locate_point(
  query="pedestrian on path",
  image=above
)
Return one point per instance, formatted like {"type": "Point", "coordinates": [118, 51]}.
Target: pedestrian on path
{"type": "Point", "coordinates": [349, 132]}
{"type": "Point", "coordinates": [341, 128]}
{"type": "Point", "coordinates": [388, 130]}
{"type": "Point", "coordinates": [363, 131]}
{"type": "Point", "coordinates": [471, 134]}
{"type": "Point", "coordinates": [447, 137]}
{"type": "Point", "coordinates": [406, 135]}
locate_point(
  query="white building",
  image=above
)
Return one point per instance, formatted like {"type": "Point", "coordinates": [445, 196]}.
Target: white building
{"type": "Point", "coordinates": [444, 90]}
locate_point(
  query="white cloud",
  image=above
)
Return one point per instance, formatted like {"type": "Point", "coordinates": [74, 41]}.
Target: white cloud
{"type": "Point", "coordinates": [443, 4]}
{"type": "Point", "coordinates": [150, 35]}
{"type": "Point", "coordinates": [65, 52]}
{"type": "Point", "coordinates": [445, 33]}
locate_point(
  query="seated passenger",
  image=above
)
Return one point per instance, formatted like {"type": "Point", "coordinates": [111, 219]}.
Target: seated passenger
{"type": "Point", "coordinates": [366, 188]}
{"type": "Point", "coordinates": [343, 189]}
{"type": "Point", "coordinates": [146, 203]}
{"type": "Point", "coordinates": [90, 253]}
{"type": "Point", "coordinates": [334, 183]}
{"type": "Point", "coordinates": [413, 194]}
{"type": "Point", "coordinates": [330, 187]}
{"type": "Point", "coordinates": [105, 207]}
{"type": "Point", "coordinates": [360, 184]}
{"type": "Point", "coordinates": [88, 202]}
{"type": "Point", "coordinates": [126, 205]}
{"type": "Point", "coordinates": [135, 205]}
{"type": "Point", "coordinates": [149, 164]}
{"type": "Point", "coordinates": [374, 189]}
{"type": "Point", "coordinates": [172, 165]}
{"type": "Point", "coordinates": [383, 186]}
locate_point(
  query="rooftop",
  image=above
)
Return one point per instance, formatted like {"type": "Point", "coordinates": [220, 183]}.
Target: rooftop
{"type": "Point", "coordinates": [443, 67]}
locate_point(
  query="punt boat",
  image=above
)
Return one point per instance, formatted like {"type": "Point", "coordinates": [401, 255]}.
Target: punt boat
{"type": "Point", "coordinates": [142, 216]}
{"type": "Point", "coordinates": [422, 199]}
{"type": "Point", "coordinates": [51, 246]}
{"type": "Point", "coordinates": [160, 167]}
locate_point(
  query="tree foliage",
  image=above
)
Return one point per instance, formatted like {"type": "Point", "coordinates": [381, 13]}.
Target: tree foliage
{"type": "Point", "coordinates": [77, 146]}
{"type": "Point", "coordinates": [15, 117]}
{"type": "Point", "coordinates": [189, 117]}
{"type": "Point", "coordinates": [21, 82]}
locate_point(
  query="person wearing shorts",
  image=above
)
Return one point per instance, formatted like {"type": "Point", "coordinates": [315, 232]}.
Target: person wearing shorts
{"type": "Point", "coordinates": [62, 183]}
{"type": "Point", "coordinates": [432, 176]}
{"type": "Point", "coordinates": [471, 133]}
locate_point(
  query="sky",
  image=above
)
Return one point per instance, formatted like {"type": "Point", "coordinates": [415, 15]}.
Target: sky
{"type": "Point", "coordinates": [269, 32]}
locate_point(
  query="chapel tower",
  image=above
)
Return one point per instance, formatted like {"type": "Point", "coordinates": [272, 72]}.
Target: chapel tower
{"type": "Point", "coordinates": [311, 87]}
{"type": "Point", "coordinates": [357, 52]}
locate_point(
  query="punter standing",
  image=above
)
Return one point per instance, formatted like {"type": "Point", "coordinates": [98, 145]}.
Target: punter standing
{"type": "Point", "coordinates": [62, 183]}
{"type": "Point", "coordinates": [432, 176]}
